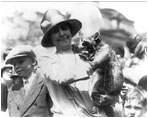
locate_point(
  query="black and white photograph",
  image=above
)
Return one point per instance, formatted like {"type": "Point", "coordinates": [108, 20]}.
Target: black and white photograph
{"type": "Point", "coordinates": [73, 58]}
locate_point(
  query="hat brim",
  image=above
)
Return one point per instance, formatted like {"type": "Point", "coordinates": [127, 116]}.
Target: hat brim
{"type": "Point", "coordinates": [75, 26]}
{"type": "Point", "coordinates": [8, 61]}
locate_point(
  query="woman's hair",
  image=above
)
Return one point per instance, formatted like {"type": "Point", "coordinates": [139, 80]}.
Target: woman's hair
{"type": "Point", "coordinates": [136, 93]}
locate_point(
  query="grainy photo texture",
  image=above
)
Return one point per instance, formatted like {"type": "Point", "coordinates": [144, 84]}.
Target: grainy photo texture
{"type": "Point", "coordinates": [85, 59]}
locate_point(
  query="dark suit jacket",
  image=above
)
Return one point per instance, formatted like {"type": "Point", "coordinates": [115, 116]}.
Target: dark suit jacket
{"type": "Point", "coordinates": [37, 103]}
{"type": "Point", "coordinates": [4, 93]}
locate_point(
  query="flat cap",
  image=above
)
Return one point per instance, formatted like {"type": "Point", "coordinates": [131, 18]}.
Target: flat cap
{"type": "Point", "coordinates": [20, 51]}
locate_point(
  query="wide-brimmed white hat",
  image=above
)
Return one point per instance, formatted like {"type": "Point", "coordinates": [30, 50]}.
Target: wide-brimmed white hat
{"type": "Point", "coordinates": [51, 19]}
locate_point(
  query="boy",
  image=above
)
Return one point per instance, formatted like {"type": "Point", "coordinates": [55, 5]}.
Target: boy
{"type": "Point", "coordinates": [31, 99]}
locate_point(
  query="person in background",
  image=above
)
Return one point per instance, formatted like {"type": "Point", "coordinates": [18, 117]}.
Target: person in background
{"type": "Point", "coordinates": [5, 53]}
{"type": "Point", "coordinates": [4, 93]}
{"type": "Point", "coordinates": [138, 45]}
{"type": "Point", "coordinates": [6, 83]}
{"type": "Point", "coordinates": [135, 103]}
{"type": "Point", "coordinates": [67, 76]}
{"type": "Point", "coordinates": [17, 82]}
{"type": "Point", "coordinates": [6, 72]}
{"type": "Point", "coordinates": [138, 48]}
{"type": "Point", "coordinates": [32, 98]}
{"type": "Point", "coordinates": [118, 106]}
{"type": "Point", "coordinates": [143, 82]}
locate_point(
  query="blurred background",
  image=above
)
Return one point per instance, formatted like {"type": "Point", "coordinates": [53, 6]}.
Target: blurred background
{"type": "Point", "coordinates": [20, 21]}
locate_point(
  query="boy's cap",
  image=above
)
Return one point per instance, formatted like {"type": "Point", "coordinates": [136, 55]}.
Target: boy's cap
{"type": "Point", "coordinates": [20, 51]}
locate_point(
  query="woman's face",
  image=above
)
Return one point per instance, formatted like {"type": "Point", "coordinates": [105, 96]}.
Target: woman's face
{"type": "Point", "coordinates": [61, 37]}
{"type": "Point", "coordinates": [22, 66]}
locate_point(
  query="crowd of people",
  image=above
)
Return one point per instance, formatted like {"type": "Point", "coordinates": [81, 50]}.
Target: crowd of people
{"type": "Point", "coordinates": [89, 81]}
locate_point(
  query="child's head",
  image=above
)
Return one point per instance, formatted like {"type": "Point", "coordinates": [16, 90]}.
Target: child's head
{"type": "Point", "coordinates": [127, 84]}
{"type": "Point", "coordinates": [23, 59]}
{"type": "Point", "coordinates": [135, 102]}
{"type": "Point", "coordinates": [6, 71]}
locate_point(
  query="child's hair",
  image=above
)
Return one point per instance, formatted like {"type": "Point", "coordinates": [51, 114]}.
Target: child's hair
{"type": "Point", "coordinates": [137, 93]}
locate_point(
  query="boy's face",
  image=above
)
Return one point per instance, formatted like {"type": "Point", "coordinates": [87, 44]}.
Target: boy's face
{"type": "Point", "coordinates": [132, 108]}
{"type": "Point", "coordinates": [22, 66]}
